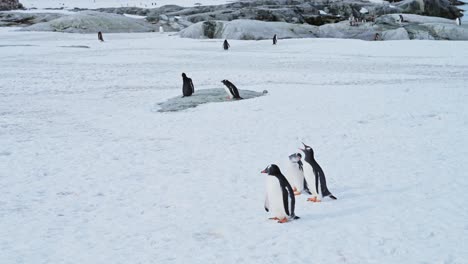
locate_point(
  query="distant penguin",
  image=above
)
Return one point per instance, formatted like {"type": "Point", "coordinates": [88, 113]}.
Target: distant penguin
{"type": "Point", "coordinates": [231, 90]}
{"type": "Point", "coordinates": [99, 36]}
{"type": "Point", "coordinates": [315, 176]}
{"type": "Point", "coordinates": [187, 86]}
{"type": "Point", "coordinates": [279, 200]}
{"type": "Point", "coordinates": [458, 21]}
{"type": "Point", "coordinates": [294, 173]}
{"type": "Point", "coordinates": [161, 29]}
{"type": "Point", "coordinates": [401, 18]}
{"type": "Point", "coordinates": [226, 45]}
{"type": "Point", "coordinates": [275, 40]}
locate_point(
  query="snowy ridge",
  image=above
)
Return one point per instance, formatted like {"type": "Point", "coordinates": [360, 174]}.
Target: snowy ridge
{"type": "Point", "coordinates": [92, 22]}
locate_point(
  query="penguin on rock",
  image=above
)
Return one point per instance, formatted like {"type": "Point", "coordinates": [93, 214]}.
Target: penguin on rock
{"type": "Point", "coordinates": [315, 176]}
{"type": "Point", "coordinates": [279, 200]}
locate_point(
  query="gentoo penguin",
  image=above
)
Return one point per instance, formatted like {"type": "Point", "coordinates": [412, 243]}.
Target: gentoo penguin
{"type": "Point", "coordinates": [275, 39]}
{"type": "Point", "coordinates": [99, 36]}
{"type": "Point", "coordinates": [187, 86]}
{"type": "Point", "coordinates": [226, 45]}
{"type": "Point", "coordinates": [294, 173]}
{"type": "Point", "coordinates": [277, 191]}
{"type": "Point", "coordinates": [315, 176]}
{"type": "Point", "coordinates": [231, 90]}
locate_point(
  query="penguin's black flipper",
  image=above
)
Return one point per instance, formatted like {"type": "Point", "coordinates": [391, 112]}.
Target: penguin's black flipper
{"type": "Point", "coordinates": [332, 196]}
{"type": "Point", "coordinates": [266, 209]}
{"type": "Point", "coordinates": [306, 187]}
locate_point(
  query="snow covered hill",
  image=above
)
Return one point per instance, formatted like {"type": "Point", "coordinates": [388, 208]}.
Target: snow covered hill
{"type": "Point", "coordinates": [91, 172]}
{"type": "Point", "coordinates": [91, 4]}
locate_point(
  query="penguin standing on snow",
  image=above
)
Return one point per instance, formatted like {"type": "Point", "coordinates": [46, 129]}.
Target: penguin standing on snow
{"type": "Point", "coordinates": [278, 190]}
{"type": "Point", "coordinates": [315, 176]}
{"type": "Point", "coordinates": [275, 39]}
{"type": "Point", "coordinates": [231, 90]}
{"type": "Point", "coordinates": [187, 86]}
{"type": "Point", "coordinates": [99, 36]}
{"type": "Point", "coordinates": [295, 174]}
{"type": "Point", "coordinates": [226, 45]}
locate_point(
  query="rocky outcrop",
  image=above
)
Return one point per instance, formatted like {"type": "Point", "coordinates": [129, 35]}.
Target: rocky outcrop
{"type": "Point", "coordinates": [388, 27]}
{"type": "Point", "coordinates": [317, 12]}
{"type": "Point", "coordinates": [10, 5]}
{"type": "Point", "coordinates": [26, 19]}
{"type": "Point", "coordinates": [439, 8]}
{"type": "Point", "coordinates": [248, 30]}
{"type": "Point", "coordinates": [92, 22]}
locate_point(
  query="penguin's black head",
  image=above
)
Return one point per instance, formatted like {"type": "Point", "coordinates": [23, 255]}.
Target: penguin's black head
{"type": "Point", "coordinates": [273, 169]}
{"type": "Point", "coordinates": [224, 81]}
{"type": "Point", "coordinates": [295, 157]}
{"type": "Point", "coordinates": [307, 150]}
{"type": "Point", "coordinates": [183, 75]}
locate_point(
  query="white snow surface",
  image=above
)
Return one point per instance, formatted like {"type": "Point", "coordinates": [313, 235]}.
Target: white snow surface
{"type": "Point", "coordinates": [91, 172]}
{"type": "Point", "coordinates": [70, 4]}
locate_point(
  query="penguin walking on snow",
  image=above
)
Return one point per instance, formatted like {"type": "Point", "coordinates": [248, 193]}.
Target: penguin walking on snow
{"type": "Point", "coordinates": [278, 195]}
{"type": "Point", "coordinates": [99, 35]}
{"type": "Point", "coordinates": [295, 174]}
{"type": "Point", "coordinates": [231, 90]}
{"type": "Point", "coordinates": [315, 176]}
{"type": "Point", "coordinates": [275, 39]}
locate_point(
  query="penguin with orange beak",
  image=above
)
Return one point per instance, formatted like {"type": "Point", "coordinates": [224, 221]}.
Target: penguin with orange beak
{"type": "Point", "coordinates": [280, 200]}
{"type": "Point", "coordinates": [315, 176]}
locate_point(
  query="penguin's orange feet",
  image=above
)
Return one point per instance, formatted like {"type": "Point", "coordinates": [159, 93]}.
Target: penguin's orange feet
{"type": "Point", "coordinates": [282, 221]}
{"type": "Point", "coordinates": [297, 193]}
{"type": "Point", "coordinates": [273, 218]}
{"type": "Point", "coordinates": [295, 189]}
{"type": "Point", "coordinates": [314, 199]}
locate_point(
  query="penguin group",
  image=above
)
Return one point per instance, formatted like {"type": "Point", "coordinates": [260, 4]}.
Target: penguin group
{"type": "Point", "coordinates": [232, 91]}
{"type": "Point", "coordinates": [303, 172]}
{"type": "Point", "coordinates": [188, 89]}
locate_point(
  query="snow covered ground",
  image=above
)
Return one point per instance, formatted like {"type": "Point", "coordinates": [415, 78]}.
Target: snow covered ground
{"type": "Point", "coordinates": [91, 172]}
{"type": "Point", "coordinates": [115, 3]}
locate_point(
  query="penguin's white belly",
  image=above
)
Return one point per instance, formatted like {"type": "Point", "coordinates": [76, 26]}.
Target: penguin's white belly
{"type": "Point", "coordinates": [275, 198]}
{"type": "Point", "coordinates": [295, 176]}
{"type": "Point", "coordinates": [228, 92]}
{"type": "Point", "coordinates": [310, 178]}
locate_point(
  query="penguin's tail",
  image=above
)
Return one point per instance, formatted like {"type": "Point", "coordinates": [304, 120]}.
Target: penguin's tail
{"type": "Point", "coordinates": [332, 196]}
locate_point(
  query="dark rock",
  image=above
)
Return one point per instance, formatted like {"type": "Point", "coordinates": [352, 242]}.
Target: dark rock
{"type": "Point", "coordinates": [10, 5]}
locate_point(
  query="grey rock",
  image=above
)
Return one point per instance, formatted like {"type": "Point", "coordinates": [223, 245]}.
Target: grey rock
{"type": "Point", "coordinates": [10, 5]}
{"type": "Point", "coordinates": [25, 19]}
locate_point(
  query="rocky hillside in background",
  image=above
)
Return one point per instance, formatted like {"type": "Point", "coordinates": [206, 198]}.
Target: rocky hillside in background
{"type": "Point", "coordinates": [10, 4]}
{"type": "Point", "coordinates": [317, 12]}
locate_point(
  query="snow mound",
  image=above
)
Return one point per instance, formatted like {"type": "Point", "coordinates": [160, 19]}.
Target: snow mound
{"type": "Point", "coordinates": [204, 96]}
{"type": "Point", "coordinates": [247, 30]}
{"type": "Point", "coordinates": [395, 34]}
{"type": "Point", "coordinates": [92, 22]}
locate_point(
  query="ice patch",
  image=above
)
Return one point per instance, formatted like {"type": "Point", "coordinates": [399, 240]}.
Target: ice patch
{"type": "Point", "coordinates": [204, 96]}
{"type": "Point", "coordinates": [76, 46]}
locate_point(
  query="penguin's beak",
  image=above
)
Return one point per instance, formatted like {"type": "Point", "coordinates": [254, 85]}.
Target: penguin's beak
{"type": "Point", "coordinates": [264, 171]}
{"type": "Point", "coordinates": [304, 144]}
